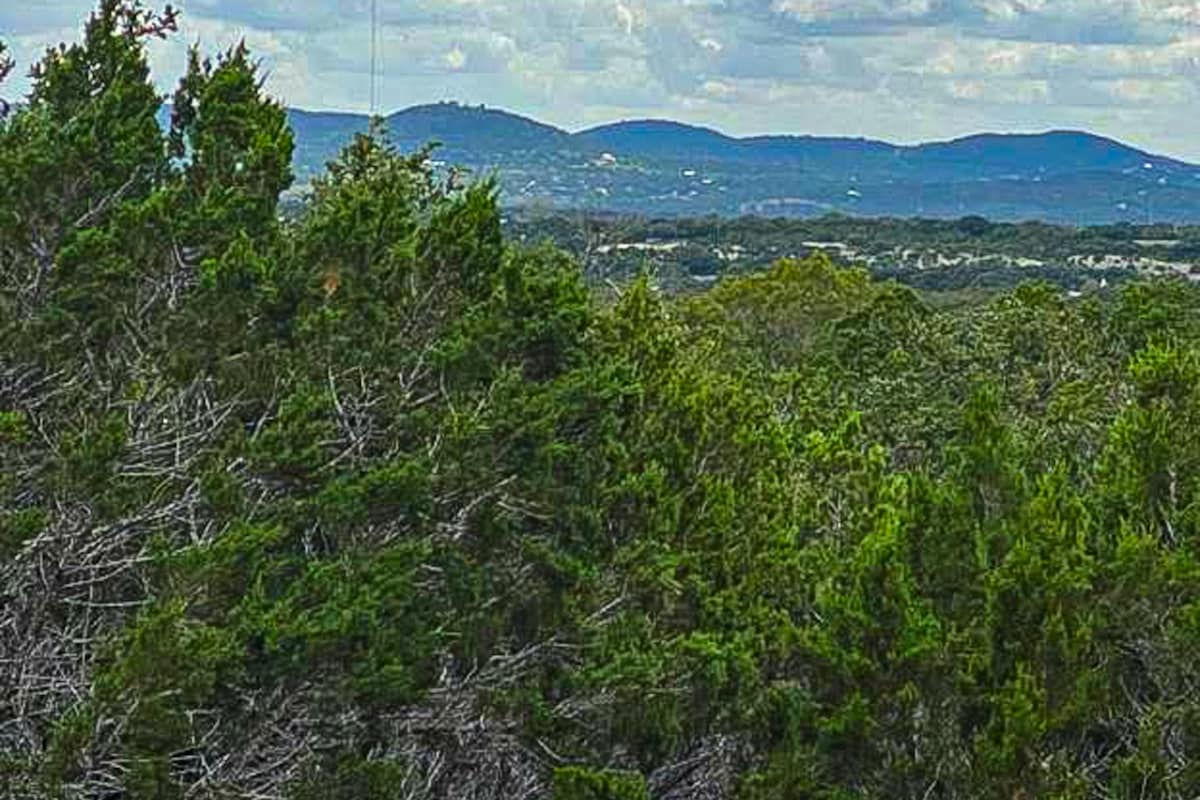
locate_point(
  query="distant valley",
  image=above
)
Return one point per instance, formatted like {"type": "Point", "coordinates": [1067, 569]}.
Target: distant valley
{"type": "Point", "coordinates": [937, 255]}
{"type": "Point", "coordinates": [662, 168]}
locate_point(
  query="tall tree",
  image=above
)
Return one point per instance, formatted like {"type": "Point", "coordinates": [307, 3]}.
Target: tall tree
{"type": "Point", "coordinates": [85, 142]}
{"type": "Point", "coordinates": [236, 147]}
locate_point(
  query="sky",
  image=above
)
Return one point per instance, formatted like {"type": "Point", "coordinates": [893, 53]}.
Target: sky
{"type": "Point", "coordinates": [899, 70]}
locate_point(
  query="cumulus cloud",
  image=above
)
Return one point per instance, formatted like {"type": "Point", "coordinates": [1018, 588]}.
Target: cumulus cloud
{"type": "Point", "coordinates": [898, 69]}
{"type": "Point", "coordinates": [811, 11]}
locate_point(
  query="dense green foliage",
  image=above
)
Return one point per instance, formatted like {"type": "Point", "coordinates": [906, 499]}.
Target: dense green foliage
{"type": "Point", "coordinates": [376, 504]}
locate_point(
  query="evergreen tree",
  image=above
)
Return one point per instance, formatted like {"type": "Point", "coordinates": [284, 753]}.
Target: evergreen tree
{"type": "Point", "coordinates": [375, 503]}
{"type": "Point", "coordinates": [236, 148]}
{"type": "Point", "coordinates": [84, 145]}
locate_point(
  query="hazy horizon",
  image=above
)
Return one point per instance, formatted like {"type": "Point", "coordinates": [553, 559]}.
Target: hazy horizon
{"type": "Point", "coordinates": [902, 71]}
{"type": "Point", "coordinates": [386, 113]}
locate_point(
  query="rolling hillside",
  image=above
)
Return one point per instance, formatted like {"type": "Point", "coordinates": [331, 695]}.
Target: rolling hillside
{"type": "Point", "coordinates": [668, 168]}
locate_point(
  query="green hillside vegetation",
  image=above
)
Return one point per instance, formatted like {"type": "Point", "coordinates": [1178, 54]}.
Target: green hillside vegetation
{"type": "Point", "coordinates": [674, 170]}
{"type": "Point", "coordinates": [375, 503]}
{"type": "Point", "coordinates": [875, 235]}
{"type": "Point", "coordinates": [693, 250]}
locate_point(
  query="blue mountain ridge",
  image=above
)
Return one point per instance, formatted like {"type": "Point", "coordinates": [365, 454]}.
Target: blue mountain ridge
{"type": "Point", "coordinates": [662, 167]}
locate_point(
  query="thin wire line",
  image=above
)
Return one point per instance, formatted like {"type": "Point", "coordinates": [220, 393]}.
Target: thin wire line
{"type": "Point", "coordinates": [374, 57]}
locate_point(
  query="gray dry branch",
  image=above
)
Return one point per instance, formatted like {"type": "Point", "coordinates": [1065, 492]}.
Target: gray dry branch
{"type": "Point", "coordinates": [83, 577]}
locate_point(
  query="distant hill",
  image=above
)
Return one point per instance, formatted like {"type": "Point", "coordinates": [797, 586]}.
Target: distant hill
{"type": "Point", "coordinates": [659, 138]}
{"type": "Point", "coordinates": [1027, 156]}
{"type": "Point", "coordinates": [660, 167]}
{"type": "Point", "coordinates": [474, 129]}
{"type": "Point", "coordinates": [319, 137]}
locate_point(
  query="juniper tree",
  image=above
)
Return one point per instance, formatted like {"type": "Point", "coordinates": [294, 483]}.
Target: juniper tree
{"type": "Point", "coordinates": [83, 146]}
{"type": "Point", "coordinates": [235, 147]}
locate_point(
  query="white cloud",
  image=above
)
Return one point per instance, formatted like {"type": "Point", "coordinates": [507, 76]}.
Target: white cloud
{"type": "Point", "coordinates": [831, 10]}
{"type": "Point", "coordinates": [625, 17]}
{"type": "Point", "coordinates": [899, 69]}
{"type": "Point", "coordinates": [455, 58]}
